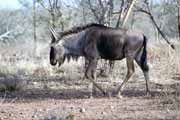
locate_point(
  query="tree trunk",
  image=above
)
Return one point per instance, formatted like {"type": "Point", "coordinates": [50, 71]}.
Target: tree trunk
{"type": "Point", "coordinates": [84, 15]}
{"type": "Point", "coordinates": [120, 14]}
{"type": "Point", "coordinates": [128, 12]}
{"type": "Point", "coordinates": [178, 10]}
{"type": "Point", "coordinates": [53, 18]}
{"type": "Point", "coordinates": [34, 27]}
{"type": "Point", "coordinates": [109, 12]}
{"type": "Point", "coordinates": [133, 20]}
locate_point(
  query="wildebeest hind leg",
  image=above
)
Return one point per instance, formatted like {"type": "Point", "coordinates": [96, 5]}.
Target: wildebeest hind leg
{"type": "Point", "coordinates": [146, 76]}
{"type": "Point", "coordinates": [145, 69]}
{"type": "Point", "coordinates": [130, 71]}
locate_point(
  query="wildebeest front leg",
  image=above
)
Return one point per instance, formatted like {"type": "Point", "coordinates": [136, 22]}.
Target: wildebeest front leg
{"type": "Point", "coordinates": [130, 71]}
{"type": "Point", "coordinates": [91, 74]}
{"type": "Point", "coordinates": [85, 68]}
{"type": "Point", "coordinates": [111, 66]}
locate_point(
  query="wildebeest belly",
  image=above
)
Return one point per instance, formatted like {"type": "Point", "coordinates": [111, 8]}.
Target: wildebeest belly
{"type": "Point", "coordinates": [110, 49]}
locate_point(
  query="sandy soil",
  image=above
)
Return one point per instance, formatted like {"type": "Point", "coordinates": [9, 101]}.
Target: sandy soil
{"type": "Point", "coordinates": [74, 104]}
{"type": "Point", "coordinates": [91, 109]}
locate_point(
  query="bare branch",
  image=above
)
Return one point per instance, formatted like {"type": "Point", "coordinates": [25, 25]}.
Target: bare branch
{"type": "Point", "coordinates": [5, 35]}
{"type": "Point", "coordinates": [50, 4]}
{"type": "Point", "coordinates": [148, 12]}
{"type": "Point", "coordinates": [101, 4]}
{"type": "Point", "coordinates": [93, 10]}
{"type": "Point", "coordinates": [42, 4]}
{"type": "Point", "coordinates": [128, 12]}
{"type": "Point", "coordinates": [120, 13]}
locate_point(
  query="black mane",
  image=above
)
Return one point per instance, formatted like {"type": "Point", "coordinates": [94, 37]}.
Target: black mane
{"type": "Point", "coordinates": [81, 28]}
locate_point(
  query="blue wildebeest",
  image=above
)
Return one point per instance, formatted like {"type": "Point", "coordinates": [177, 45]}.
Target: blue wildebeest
{"type": "Point", "coordinates": [94, 42]}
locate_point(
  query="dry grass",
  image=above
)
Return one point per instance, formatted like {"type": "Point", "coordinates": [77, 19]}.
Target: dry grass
{"type": "Point", "coordinates": [163, 61]}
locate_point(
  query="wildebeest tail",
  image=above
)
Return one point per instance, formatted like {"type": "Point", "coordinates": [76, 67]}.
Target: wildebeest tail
{"type": "Point", "coordinates": [144, 65]}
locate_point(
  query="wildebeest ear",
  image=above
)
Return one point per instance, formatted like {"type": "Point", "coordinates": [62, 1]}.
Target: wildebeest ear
{"type": "Point", "coordinates": [55, 35]}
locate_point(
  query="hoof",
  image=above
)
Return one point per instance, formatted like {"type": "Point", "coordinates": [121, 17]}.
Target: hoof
{"type": "Point", "coordinates": [108, 94]}
{"type": "Point", "coordinates": [148, 94]}
{"type": "Point", "coordinates": [94, 93]}
{"type": "Point", "coordinates": [119, 96]}
{"type": "Point", "coordinates": [103, 92]}
{"type": "Point", "coordinates": [91, 97]}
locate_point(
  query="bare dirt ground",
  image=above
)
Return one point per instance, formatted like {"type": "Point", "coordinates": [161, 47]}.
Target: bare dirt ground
{"type": "Point", "coordinates": [64, 96]}
{"type": "Point", "coordinates": [72, 103]}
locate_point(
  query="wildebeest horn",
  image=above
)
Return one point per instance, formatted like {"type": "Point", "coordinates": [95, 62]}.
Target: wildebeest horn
{"type": "Point", "coordinates": [55, 35]}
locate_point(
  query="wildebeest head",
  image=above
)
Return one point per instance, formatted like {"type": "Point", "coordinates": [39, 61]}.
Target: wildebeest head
{"type": "Point", "coordinates": [57, 50]}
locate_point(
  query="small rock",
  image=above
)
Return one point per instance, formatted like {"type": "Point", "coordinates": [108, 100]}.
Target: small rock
{"type": "Point", "coordinates": [10, 114]}
{"type": "Point", "coordinates": [44, 109]}
{"type": "Point", "coordinates": [71, 107]}
{"type": "Point", "coordinates": [70, 117]}
{"type": "Point", "coordinates": [35, 83]}
{"type": "Point", "coordinates": [103, 113]}
{"type": "Point", "coordinates": [82, 110]}
{"type": "Point", "coordinates": [2, 111]}
{"type": "Point", "coordinates": [112, 107]}
{"type": "Point", "coordinates": [34, 113]}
